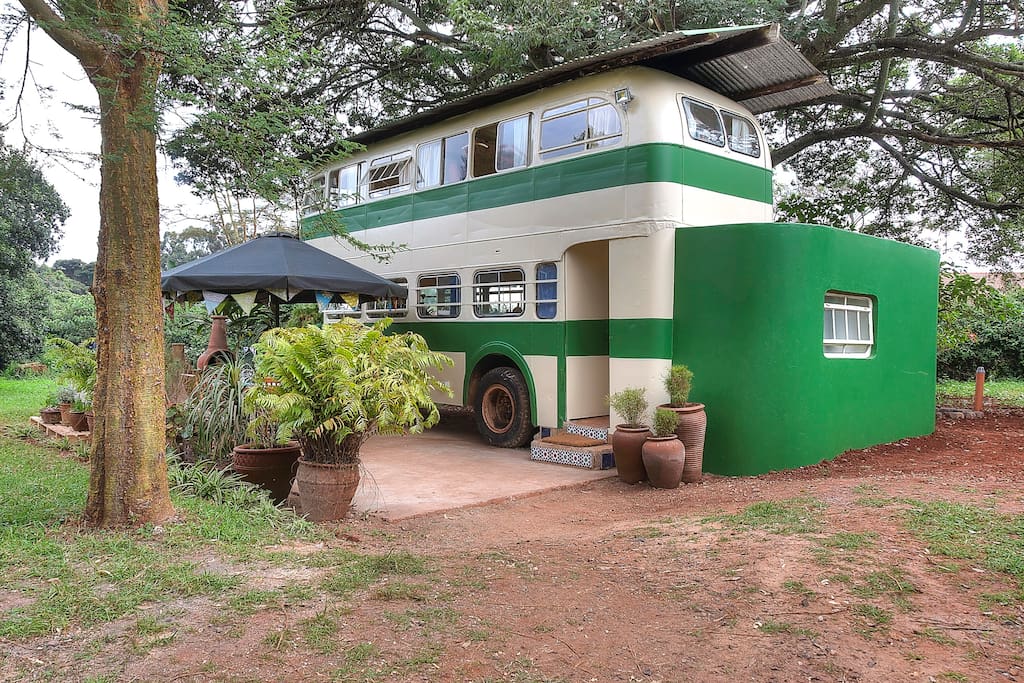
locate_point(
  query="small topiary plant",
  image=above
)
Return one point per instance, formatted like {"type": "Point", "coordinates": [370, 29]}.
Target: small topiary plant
{"type": "Point", "coordinates": [65, 394]}
{"type": "Point", "coordinates": [631, 404]}
{"type": "Point", "coordinates": [677, 383]}
{"type": "Point", "coordinates": [665, 422]}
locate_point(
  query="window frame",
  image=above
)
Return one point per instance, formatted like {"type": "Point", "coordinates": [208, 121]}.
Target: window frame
{"type": "Point", "coordinates": [393, 306]}
{"type": "Point", "coordinates": [336, 199]}
{"type": "Point", "coordinates": [453, 306]}
{"type": "Point", "coordinates": [504, 287]}
{"type": "Point", "coordinates": [543, 302]}
{"type": "Point", "coordinates": [402, 161]}
{"type": "Point", "coordinates": [686, 101]}
{"type": "Point", "coordinates": [722, 113]}
{"type": "Point", "coordinates": [850, 347]}
{"type": "Point", "coordinates": [584, 105]}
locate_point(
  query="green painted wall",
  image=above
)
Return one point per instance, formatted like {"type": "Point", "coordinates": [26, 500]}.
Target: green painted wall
{"type": "Point", "coordinates": [749, 323]}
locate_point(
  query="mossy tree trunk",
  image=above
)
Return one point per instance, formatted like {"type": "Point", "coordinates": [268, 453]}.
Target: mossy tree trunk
{"type": "Point", "coordinates": [128, 478]}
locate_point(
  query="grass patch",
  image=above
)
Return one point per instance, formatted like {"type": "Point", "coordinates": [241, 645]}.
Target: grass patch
{"type": "Point", "coordinates": [845, 540]}
{"type": "Point", "coordinates": [319, 631]}
{"type": "Point", "coordinates": [934, 635]}
{"type": "Point", "coordinates": [967, 532]}
{"type": "Point", "coordinates": [797, 587]}
{"type": "Point", "coordinates": [879, 583]}
{"type": "Point", "coordinates": [783, 627]}
{"type": "Point", "coordinates": [351, 572]}
{"type": "Point", "coordinates": [876, 616]}
{"type": "Point", "coordinates": [785, 517]}
{"type": "Point", "coordinates": [1002, 392]}
{"type": "Point", "coordinates": [401, 590]}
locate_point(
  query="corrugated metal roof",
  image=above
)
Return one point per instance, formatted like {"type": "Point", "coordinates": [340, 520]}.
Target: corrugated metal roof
{"type": "Point", "coordinates": [753, 65]}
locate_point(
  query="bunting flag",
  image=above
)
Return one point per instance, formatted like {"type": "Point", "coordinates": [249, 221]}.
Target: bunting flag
{"type": "Point", "coordinates": [323, 298]}
{"type": "Point", "coordinates": [352, 300]}
{"type": "Point", "coordinates": [280, 292]}
{"type": "Point", "coordinates": [245, 300]}
{"type": "Point", "coordinates": [213, 300]}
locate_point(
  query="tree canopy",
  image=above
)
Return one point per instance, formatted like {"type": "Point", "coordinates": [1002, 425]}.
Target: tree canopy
{"type": "Point", "coordinates": [31, 213]}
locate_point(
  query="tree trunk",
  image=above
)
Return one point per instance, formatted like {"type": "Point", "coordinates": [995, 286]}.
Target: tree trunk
{"type": "Point", "coordinates": [128, 480]}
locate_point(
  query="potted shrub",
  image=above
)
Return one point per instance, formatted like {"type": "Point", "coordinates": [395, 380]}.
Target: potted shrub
{"type": "Point", "coordinates": [663, 453]}
{"type": "Point", "coordinates": [266, 459]}
{"type": "Point", "coordinates": [334, 387]}
{"type": "Point", "coordinates": [628, 438]}
{"type": "Point", "coordinates": [693, 420]}
{"type": "Point", "coordinates": [214, 416]}
{"type": "Point", "coordinates": [65, 396]}
{"type": "Point", "coordinates": [76, 417]}
{"type": "Point", "coordinates": [50, 413]}
{"type": "Point", "coordinates": [76, 363]}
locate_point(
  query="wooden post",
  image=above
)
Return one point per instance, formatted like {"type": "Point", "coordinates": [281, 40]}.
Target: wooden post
{"type": "Point", "coordinates": [979, 389]}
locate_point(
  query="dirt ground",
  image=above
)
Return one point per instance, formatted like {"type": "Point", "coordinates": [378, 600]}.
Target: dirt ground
{"type": "Point", "coordinates": [610, 582]}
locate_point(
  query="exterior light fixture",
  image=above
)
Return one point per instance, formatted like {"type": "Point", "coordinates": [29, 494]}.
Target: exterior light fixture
{"type": "Point", "coordinates": [623, 97]}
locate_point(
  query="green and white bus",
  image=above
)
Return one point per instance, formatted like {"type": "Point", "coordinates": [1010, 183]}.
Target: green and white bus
{"type": "Point", "coordinates": [538, 221]}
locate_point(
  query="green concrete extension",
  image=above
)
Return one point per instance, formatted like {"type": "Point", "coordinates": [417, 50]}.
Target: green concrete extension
{"type": "Point", "coordinates": [748, 322]}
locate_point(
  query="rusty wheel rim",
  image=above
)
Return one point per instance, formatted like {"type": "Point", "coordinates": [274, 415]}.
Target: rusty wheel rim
{"type": "Point", "coordinates": [498, 408]}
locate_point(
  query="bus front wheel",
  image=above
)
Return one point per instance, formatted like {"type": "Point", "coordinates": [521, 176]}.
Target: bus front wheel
{"type": "Point", "coordinates": [503, 408]}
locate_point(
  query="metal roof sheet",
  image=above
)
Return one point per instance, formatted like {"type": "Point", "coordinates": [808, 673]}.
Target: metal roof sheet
{"type": "Point", "coordinates": [753, 65]}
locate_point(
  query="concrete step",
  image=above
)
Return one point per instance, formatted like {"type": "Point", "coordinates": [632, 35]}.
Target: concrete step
{"type": "Point", "coordinates": [594, 427]}
{"type": "Point", "coordinates": [58, 431]}
{"type": "Point", "coordinates": [576, 450]}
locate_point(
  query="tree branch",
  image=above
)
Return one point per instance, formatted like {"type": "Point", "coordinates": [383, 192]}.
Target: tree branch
{"type": "Point", "coordinates": [87, 51]}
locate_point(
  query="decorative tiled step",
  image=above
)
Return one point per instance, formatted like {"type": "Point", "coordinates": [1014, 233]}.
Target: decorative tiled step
{"type": "Point", "coordinates": [567, 448]}
{"type": "Point", "coordinates": [594, 427]}
{"type": "Point", "coordinates": [59, 431]}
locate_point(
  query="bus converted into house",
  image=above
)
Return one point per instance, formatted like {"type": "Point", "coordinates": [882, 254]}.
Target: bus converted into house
{"type": "Point", "coordinates": [582, 229]}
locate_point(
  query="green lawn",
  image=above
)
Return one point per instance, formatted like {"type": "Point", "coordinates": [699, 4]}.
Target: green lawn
{"type": "Point", "coordinates": [1004, 392]}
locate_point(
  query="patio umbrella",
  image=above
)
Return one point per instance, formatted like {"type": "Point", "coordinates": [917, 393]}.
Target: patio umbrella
{"type": "Point", "coordinates": [279, 267]}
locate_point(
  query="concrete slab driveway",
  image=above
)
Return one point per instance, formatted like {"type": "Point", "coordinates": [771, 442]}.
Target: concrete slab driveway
{"type": "Point", "coordinates": [450, 467]}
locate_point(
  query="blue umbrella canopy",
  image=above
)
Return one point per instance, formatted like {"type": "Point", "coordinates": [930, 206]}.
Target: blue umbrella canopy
{"type": "Point", "coordinates": [275, 262]}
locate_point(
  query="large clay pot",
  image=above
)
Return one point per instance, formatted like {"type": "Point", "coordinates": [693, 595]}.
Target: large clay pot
{"type": "Point", "coordinates": [65, 413]}
{"type": "Point", "coordinates": [627, 446]}
{"type": "Point", "coordinates": [90, 420]}
{"type": "Point", "coordinates": [269, 468]}
{"type": "Point", "coordinates": [692, 427]}
{"type": "Point", "coordinates": [326, 491]}
{"type": "Point", "coordinates": [50, 416]}
{"type": "Point", "coordinates": [77, 421]}
{"type": "Point", "coordinates": [663, 459]}
{"type": "Point", "coordinates": [217, 348]}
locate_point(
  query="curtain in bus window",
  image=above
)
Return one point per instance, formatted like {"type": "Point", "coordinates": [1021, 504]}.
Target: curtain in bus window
{"type": "Point", "coordinates": [703, 123]}
{"type": "Point", "coordinates": [513, 143]}
{"type": "Point", "coordinates": [564, 130]}
{"type": "Point", "coordinates": [346, 191]}
{"type": "Point", "coordinates": [456, 158]}
{"type": "Point", "coordinates": [605, 126]}
{"type": "Point", "coordinates": [741, 134]}
{"type": "Point", "coordinates": [428, 164]}
{"type": "Point", "coordinates": [547, 292]}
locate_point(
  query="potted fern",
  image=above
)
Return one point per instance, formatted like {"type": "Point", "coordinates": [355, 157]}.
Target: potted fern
{"type": "Point", "coordinates": [266, 459]}
{"type": "Point", "coordinates": [664, 454]}
{"type": "Point", "coordinates": [693, 420]}
{"type": "Point", "coordinates": [332, 388]}
{"type": "Point", "coordinates": [628, 439]}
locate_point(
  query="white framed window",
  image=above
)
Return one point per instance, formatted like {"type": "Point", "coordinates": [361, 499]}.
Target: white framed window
{"type": "Point", "coordinates": [343, 185]}
{"type": "Point", "coordinates": [499, 293]}
{"type": "Point", "coordinates": [742, 134]}
{"type": "Point", "coordinates": [389, 174]}
{"type": "Point", "coordinates": [849, 325]}
{"type": "Point", "coordinates": [437, 296]}
{"type": "Point", "coordinates": [547, 290]}
{"type": "Point", "coordinates": [313, 197]}
{"type": "Point", "coordinates": [703, 123]}
{"type": "Point", "coordinates": [585, 124]}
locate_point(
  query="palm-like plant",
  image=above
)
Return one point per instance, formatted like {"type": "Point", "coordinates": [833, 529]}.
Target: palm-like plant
{"type": "Point", "coordinates": [333, 387]}
{"type": "Point", "coordinates": [74, 362]}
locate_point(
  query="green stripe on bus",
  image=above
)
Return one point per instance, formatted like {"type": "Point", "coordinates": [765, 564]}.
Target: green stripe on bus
{"type": "Point", "coordinates": [572, 338]}
{"type": "Point", "coordinates": [640, 338]}
{"type": "Point", "coordinates": [650, 163]}
{"type": "Point", "coordinates": [586, 338]}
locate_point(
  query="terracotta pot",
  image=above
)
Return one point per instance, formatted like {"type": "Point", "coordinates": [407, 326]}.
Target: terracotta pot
{"type": "Point", "coordinates": [627, 446]}
{"type": "Point", "coordinates": [217, 348]}
{"type": "Point", "coordinates": [77, 421]}
{"type": "Point", "coordinates": [65, 413]}
{"type": "Point", "coordinates": [326, 491]}
{"type": "Point", "coordinates": [50, 416]}
{"type": "Point", "coordinates": [663, 459]}
{"type": "Point", "coordinates": [693, 425]}
{"type": "Point", "coordinates": [90, 420]}
{"type": "Point", "coordinates": [268, 468]}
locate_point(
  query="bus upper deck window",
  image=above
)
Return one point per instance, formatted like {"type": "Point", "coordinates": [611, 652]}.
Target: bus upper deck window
{"type": "Point", "coordinates": [742, 135]}
{"type": "Point", "coordinates": [313, 197]}
{"type": "Point", "coordinates": [428, 164]}
{"type": "Point", "coordinates": [703, 123]}
{"type": "Point", "coordinates": [574, 127]}
{"type": "Point", "coordinates": [456, 158]}
{"type": "Point", "coordinates": [513, 143]}
{"type": "Point", "coordinates": [344, 186]}
{"type": "Point", "coordinates": [389, 174]}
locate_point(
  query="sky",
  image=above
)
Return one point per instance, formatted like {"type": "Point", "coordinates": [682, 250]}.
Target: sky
{"type": "Point", "coordinates": [50, 121]}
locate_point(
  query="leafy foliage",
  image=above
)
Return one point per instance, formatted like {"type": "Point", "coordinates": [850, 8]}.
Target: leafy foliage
{"type": "Point", "coordinates": [334, 387]}
{"type": "Point", "coordinates": [31, 213]}
{"type": "Point", "coordinates": [665, 422]}
{"type": "Point", "coordinates": [75, 363]}
{"type": "Point", "coordinates": [631, 404]}
{"type": "Point", "coordinates": [215, 416]}
{"type": "Point", "coordinates": [76, 269]}
{"type": "Point", "coordinates": [677, 383]}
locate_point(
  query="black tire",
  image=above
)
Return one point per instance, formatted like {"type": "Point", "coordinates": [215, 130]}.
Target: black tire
{"type": "Point", "coordinates": [502, 408]}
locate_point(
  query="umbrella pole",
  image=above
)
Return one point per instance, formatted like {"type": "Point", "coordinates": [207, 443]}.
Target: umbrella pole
{"type": "Point", "coordinates": [276, 308]}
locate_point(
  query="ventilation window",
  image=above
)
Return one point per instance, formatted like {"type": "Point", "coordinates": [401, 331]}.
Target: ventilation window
{"type": "Point", "coordinates": [849, 326]}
